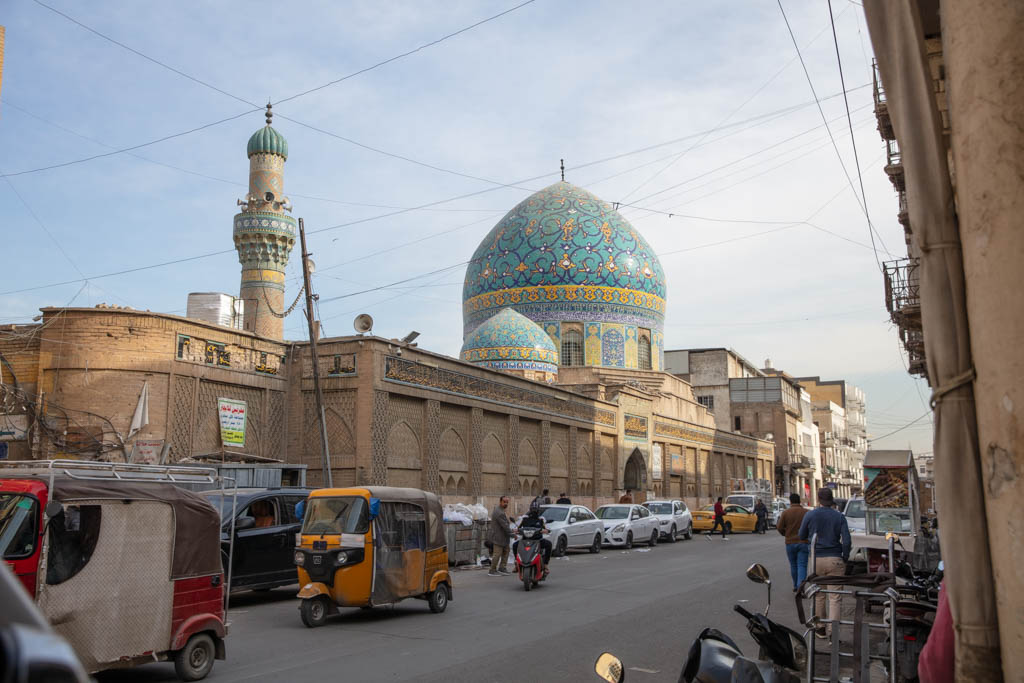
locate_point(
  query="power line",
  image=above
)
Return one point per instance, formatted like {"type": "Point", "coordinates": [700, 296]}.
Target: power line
{"type": "Point", "coordinates": [853, 139]}
{"type": "Point", "coordinates": [723, 121]}
{"type": "Point", "coordinates": [821, 111]}
{"type": "Point", "coordinates": [235, 97]}
{"type": "Point", "coordinates": [390, 214]}
{"type": "Point", "coordinates": [330, 200]}
{"type": "Point", "coordinates": [896, 431]}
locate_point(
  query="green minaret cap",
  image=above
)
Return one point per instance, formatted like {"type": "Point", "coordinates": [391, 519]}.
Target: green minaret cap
{"type": "Point", "coordinates": [267, 140]}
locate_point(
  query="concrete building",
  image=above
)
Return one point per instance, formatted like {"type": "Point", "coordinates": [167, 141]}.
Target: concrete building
{"type": "Point", "coordinates": [769, 408]}
{"type": "Point", "coordinates": [708, 371]}
{"type": "Point", "coordinates": [843, 431]}
{"type": "Point", "coordinates": [559, 384]}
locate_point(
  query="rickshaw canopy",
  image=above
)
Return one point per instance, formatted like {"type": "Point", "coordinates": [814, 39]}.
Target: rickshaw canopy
{"type": "Point", "coordinates": [196, 550]}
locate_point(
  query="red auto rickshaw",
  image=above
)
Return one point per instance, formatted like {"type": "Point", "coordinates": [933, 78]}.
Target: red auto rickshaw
{"type": "Point", "coordinates": [123, 562]}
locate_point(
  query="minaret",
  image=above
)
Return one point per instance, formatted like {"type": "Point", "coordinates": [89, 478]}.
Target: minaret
{"type": "Point", "coordinates": [264, 235]}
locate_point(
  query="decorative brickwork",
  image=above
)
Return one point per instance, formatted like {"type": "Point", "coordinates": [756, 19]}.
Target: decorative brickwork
{"type": "Point", "coordinates": [545, 454]}
{"type": "Point", "coordinates": [573, 454]}
{"type": "Point", "coordinates": [380, 424]}
{"type": "Point", "coordinates": [404, 443]}
{"type": "Point", "coordinates": [453, 459]}
{"type": "Point", "coordinates": [274, 447]}
{"type": "Point", "coordinates": [585, 467]}
{"type": "Point", "coordinates": [514, 484]}
{"type": "Point", "coordinates": [431, 465]}
{"type": "Point", "coordinates": [476, 429]}
{"type": "Point", "coordinates": [180, 430]}
{"type": "Point", "coordinates": [410, 372]}
{"type": "Point", "coordinates": [609, 465]}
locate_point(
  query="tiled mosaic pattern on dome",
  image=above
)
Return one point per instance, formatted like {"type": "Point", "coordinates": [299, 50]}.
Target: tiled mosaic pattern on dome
{"type": "Point", "coordinates": [510, 337]}
{"type": "Point", "coordinates": [562, 245]}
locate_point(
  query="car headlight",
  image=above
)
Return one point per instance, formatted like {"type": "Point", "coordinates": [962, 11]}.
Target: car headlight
{"type": "Point", "coordinates": [341, 558]}
{"type": "Point", "coordinates": [618, 528]}
{"type": "Point", "coordinates": [300, 558]}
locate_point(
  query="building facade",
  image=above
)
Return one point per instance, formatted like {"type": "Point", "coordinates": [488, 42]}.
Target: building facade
{"type": "Point", "coordinates": [708, 371]}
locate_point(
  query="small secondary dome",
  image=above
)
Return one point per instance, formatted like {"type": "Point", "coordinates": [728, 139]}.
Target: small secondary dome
{"type": "Point", "coordinates": [510, 341]}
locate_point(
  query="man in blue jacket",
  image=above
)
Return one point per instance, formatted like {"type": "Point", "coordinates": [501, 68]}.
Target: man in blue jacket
{"type": "Point", "coordinates": [831, 551]}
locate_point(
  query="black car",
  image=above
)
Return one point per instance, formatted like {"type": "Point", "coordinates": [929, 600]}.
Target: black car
{"type": "Point", "coordinates": [265, 529]}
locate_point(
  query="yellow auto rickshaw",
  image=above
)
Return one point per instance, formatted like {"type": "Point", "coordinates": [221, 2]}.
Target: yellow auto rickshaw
{"type": "Point", "coordinates": [362, 547]}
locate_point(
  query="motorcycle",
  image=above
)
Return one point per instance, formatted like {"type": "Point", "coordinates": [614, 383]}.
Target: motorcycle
{"type": "Point", "coordinates": [915, 614]}
{"type": "Point", "coordinates": [530, 558]}
{"type": "Point", "coordinates": [715, 658]}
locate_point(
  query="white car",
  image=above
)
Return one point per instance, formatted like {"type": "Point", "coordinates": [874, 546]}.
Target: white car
{"type": "Point", "coordinates": [855, 517]}
{"type": "Point", "coordinates": [674, 519]}
{"type": "Point", "coordinates": [626, 524]}
{"type": "Point", "coordinates": [572, 526]}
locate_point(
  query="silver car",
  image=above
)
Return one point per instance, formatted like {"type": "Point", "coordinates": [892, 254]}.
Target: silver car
{"type": "Point", "coordinates": [573, 526]}
{"type": "Point", "coordinates": [674, 518]}
{"type": "Point", "coordinates": [626, 523]}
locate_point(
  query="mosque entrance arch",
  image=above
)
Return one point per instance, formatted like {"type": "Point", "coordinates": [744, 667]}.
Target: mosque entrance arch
{"type": "Point", "coordinates": [634, 477]}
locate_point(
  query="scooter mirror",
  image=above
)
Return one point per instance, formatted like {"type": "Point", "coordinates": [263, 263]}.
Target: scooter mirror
{"type": "Point", "coordinates": [53, 508]}
{"type": "Point", "coordinates": [758, 574]}
{"type": "Point", "coordinates": [609, 667]}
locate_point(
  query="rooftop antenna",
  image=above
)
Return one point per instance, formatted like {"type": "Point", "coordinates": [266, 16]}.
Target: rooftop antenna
{"type": "Point", "coordinates": [563, 169]}
{"type": "Point", "coordinates": [270, 114]}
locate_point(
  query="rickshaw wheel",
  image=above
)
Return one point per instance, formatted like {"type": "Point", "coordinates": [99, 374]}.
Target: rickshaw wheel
{"type": "Point", "coordinates": [195, 661]}
{"type": "Point", "coordinates": [314, 611]}
{"type": "Point", "coordinates": [438, 599]}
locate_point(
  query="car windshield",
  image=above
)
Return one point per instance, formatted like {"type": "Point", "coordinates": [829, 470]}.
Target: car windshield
{"type": "Point", "coordinates": [613, 513]}
{"type": "Point", "coordinates": [223, 504]}
{"type": "Point", "coordinates": [18, 515]}
{"type": "Point", "coordinates": [660, 508]}
{"type": "Point", "coordinates": [554, 514]}
{"type": "Point", "coordinates": [855, 508]}
{"type": "Point", "coordinates": [336, 515]}
{"type": "Point", "coordinates": [743, 501]}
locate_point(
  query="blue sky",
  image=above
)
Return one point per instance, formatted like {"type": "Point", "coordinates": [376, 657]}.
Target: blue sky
{"type": "Point", "coordinates": [713, 89]}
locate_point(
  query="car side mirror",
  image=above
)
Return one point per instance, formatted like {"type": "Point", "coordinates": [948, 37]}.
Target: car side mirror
{"type": "Point", "coordinates": [53, 508]}
{"type": "Point", "coordinates": [244, 523]}
{"type": "Point", "coordinates": [609, 667]}
{"type": "Point", "coordinates": [572, 520]}
{"type": "Point", "coordinates": [758, 574]}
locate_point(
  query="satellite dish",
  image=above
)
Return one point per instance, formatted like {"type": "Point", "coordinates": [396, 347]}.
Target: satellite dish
{"type": "Point", "coordinates": [363, 323]}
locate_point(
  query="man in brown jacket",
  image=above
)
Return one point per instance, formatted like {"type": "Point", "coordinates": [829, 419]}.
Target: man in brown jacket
{"type": "Point", "coordinates": [796, 549]}
{"type": "Point", "coordinates": [500, 534]}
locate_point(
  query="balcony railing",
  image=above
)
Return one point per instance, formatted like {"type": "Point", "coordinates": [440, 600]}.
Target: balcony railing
{"type": "Point", "coordinates": [903, 292]}
{"type": "Point", "coordinates": [913, 342]}
{"type": "Point", "coordinates": [894, 165]}
{"type": "Point", "coordinates": [881, 107]}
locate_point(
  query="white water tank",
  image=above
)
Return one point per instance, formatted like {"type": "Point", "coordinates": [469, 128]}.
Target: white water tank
{"type": "Point", "coordinates": [216, 308]}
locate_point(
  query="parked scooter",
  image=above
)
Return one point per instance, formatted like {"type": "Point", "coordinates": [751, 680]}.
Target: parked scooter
{"type": "Point", "coordinates": [715, 658]}
{"type": "Point", "coordinates": [530, 558]}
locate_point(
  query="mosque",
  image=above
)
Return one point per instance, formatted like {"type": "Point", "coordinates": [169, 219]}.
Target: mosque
{"type": "Point", "coordinates": [559, 383]}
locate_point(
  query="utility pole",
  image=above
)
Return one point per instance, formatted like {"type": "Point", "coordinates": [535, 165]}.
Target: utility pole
{"type": "Point", "coordinates": [312, 352]}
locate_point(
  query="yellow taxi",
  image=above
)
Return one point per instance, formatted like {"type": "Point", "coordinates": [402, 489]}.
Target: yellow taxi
{"type": "Point", "coordinates": [737, 518]}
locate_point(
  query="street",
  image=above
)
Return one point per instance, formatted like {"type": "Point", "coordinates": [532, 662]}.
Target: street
{"type": "Point", "coordinates": [645, 606]}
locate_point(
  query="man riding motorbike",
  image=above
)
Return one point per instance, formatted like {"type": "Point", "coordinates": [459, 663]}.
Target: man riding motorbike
{"type": "Point", "coordinates": [533, 520]}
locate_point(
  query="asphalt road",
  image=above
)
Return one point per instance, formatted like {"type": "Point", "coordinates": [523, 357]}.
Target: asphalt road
{"type": "Point", "coordinates": [645, 606]}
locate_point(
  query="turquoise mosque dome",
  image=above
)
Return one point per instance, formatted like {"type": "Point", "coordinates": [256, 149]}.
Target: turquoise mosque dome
{"type": "Point", "coordinates": [510, 341]}
{"type": "Point", "coordinates": [267, 141]}
{"type": "Point", "coordinates": [569, 261]}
